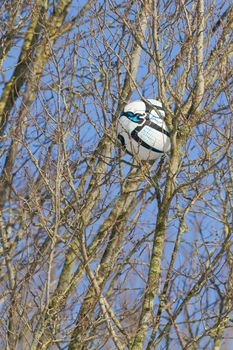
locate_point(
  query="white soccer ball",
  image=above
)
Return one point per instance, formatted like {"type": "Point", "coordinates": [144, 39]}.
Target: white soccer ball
{"type": "Point", "coordinates": [142, 130]}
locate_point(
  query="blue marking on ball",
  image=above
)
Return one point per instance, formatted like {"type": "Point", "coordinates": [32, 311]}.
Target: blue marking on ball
{"type": "Point", "coordinates": [135, 117]}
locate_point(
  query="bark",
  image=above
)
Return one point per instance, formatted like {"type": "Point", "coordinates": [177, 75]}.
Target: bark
{"type": "Point", "coordinates": [157, 249]}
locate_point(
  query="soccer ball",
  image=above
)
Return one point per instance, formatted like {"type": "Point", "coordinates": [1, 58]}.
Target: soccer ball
{"type": "Point", "coordinates": [142, 130]}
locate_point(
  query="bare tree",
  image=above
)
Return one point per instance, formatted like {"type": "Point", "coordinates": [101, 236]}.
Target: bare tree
{"type": "Point", "coordinates": [100, 250]}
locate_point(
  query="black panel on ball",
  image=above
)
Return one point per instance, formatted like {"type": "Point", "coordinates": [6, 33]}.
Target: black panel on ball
{"type": "Point", "coordinates": [121, 139]}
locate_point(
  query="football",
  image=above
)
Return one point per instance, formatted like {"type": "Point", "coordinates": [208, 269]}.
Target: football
{"type": "Point", "coordinates": [142, 131]}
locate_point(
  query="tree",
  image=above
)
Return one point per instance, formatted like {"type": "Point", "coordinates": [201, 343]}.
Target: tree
{"type": "Point", "coordinates": [98, 249]}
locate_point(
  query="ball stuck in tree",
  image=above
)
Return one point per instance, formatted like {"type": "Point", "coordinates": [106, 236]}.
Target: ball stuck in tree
{"type": "Point", "coordinates": [142, 131]}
